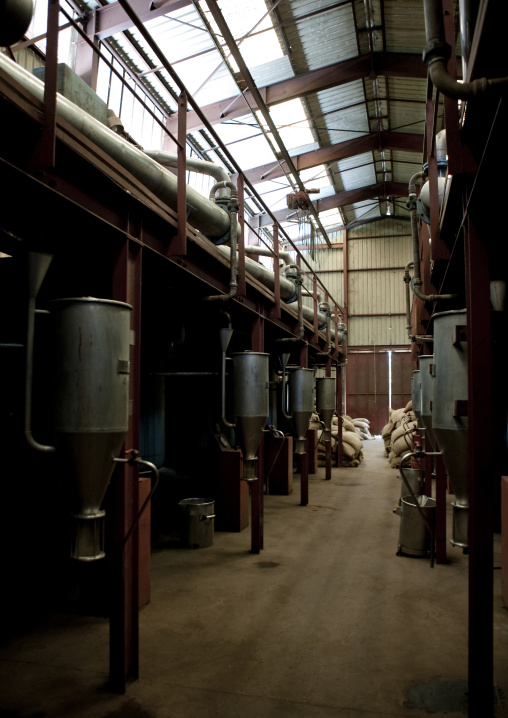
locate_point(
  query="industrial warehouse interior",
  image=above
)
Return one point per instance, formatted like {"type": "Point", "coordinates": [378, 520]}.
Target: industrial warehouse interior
{"type": "Point", "coordinates": [253, 409]}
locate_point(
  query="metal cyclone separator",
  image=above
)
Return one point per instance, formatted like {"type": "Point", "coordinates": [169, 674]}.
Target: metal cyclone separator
{"type": "Point", "coordinates": [301, 404]}
{"type": "Point", "coordinates": [92, 345]}
{"type": "Point", "coordinates": [326, 404]}
{"type": "Point", "coordinates": [416, 395]}
{"type": "Point", "coordinates": [413, 476]}
{"type": "Point", "coordinates": [250, 405]}
{"type": "Point", "coordinates": [449, 411]}
{"type": "Point", "coordinates": [427, 391]}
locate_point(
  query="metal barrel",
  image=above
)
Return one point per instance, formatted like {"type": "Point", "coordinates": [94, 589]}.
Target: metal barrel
{"type": "Point", "coordinates": [92, 345]}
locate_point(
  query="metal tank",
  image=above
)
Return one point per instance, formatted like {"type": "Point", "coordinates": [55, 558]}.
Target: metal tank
{"type": "Point", "coordinates": [15, 17]}
{"type": "Point", "coordinates": [301, 404]}
{"type": "Point", "coordinates": [326, 402]}
{"type": "Point", "coordinates": [92, 344]}
{"type": "Point", "coordinates": [416, 395]}
{"type": "Point", "coordinates": [250, 403]}
{"type": "Point", "coordinates": [427, 389]}
{"type": "Point", "coordinates": [449, 411]}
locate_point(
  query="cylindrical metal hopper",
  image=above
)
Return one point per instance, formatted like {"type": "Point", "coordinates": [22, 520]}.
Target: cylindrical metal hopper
{"type": "Point", "coordinates": [326, 402]}
{"type": "Point", "coordinates": [250, 400]}
{"type": "Point", "coordinates": [92, 343]}
{"type": "Point", "coordinates": [416, 395]}
{"type": "Point", "coordinates": [449, 410]}
{"type": "Point", "coordinates": [427, 388]}
{"type": "Point", "coordinates": [301, 403]}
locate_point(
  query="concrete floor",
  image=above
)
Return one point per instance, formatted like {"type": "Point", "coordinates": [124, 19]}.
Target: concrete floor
{"type": "Point", "coordinates": [327, 621]}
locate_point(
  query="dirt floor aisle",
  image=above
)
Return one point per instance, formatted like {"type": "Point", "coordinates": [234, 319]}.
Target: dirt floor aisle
{"type": "Point", "coordinates": [326, 622]}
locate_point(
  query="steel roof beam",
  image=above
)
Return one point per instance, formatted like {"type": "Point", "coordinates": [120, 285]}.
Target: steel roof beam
{"type": "Point", "coordinates": [260, 103]}
{"type": "Point", "coordinates": [404, 141]}
{"type": "Point", "coordinates": [388, 64]}
{"type": "Point", "coordinates": [112, 18]}
{"type": "Point", "coordinates": [381, 189]}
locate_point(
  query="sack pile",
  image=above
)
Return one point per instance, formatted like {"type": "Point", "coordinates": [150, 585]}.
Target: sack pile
{"type": "Point", "coordinates": [351, 442]}
{"type": "Point", "coordinates": [398, 435]}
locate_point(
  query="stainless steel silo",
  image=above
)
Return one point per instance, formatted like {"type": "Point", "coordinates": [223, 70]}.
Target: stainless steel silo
{"type": "Point", "coordinates": [250, 403]}
{"type": "Point", "coordinates": [92, 344]}
{"type": "Point", "coordinates": [427, 388]}
{"type": "Point", "coordinates": [416, 395]}
{"type": "Point", "coordinates": [449, 411]}
{"type": "Point", "coordinates": [326, 402]}
{"type": "Point", "coordinates": [301, 404]}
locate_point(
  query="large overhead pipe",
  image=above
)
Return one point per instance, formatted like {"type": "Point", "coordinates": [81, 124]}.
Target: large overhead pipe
{"type": "Point", "coordinates": [437, 53]}
{"type": "Point", "coordinates": [449, 411]}
{"type": "Point", "coordinates": [206, 216]}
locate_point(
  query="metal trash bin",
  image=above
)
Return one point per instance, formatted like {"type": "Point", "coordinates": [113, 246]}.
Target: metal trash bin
{"type": "Point", "coordinates": [197, 522]}
{"type": "Point", "coordinates": [414, 537]}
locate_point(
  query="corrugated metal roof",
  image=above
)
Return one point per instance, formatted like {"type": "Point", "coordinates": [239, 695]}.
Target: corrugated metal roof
{"type": "Point", "coordinates": [334, 125]}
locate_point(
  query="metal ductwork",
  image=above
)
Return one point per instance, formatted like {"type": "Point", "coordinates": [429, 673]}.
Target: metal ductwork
{"type": "Point", "coordinates": [438, 51]}
{"type": "Point", "coordinates": [204, 215]}
{"type": "Point", "coordinates": [449, 411]}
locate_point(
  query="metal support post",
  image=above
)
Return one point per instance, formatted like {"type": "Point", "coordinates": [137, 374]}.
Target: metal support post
{"type": "Point", "coordinates": [123, 556]}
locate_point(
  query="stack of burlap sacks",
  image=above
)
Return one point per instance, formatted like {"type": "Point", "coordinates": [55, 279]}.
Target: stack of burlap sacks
{"type": "Point", "coordinates": [353, 431]}
{"type": "Point", "coordinates": [398, 435]}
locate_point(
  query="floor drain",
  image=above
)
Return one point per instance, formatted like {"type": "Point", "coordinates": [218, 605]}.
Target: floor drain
{"type": "Point", "coordinates": [267, 564]}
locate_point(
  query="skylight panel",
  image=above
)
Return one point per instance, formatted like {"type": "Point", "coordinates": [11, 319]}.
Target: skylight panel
{"type": "Point", "coordinates": [250, 16]}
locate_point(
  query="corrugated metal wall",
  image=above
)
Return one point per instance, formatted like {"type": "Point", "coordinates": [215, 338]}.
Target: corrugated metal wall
{"type": "Point", "coordinates": [368, 385]}
{"type": "Point", "coordinates": [376, 255]}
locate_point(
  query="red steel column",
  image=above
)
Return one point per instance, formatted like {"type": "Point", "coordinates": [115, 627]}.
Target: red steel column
{"type": "Point", "coordinates": [480, 475]}
{"type": "Point", "coordinates": [304, 458]}
{"type": "Point", "coordinates": [257, 487]}
{"type": "Point", "coordinates": [124, 497]}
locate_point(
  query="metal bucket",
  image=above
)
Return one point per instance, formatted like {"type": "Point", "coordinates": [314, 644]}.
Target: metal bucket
{"type": "Point", "coordinates": [197, 522]}
{"type": "Point", "coordinates": [414, 537]}
{"type": "Point", "coordinates": [415, 479]}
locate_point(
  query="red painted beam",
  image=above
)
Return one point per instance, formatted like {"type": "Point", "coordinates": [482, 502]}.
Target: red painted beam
{"type": "Point", "coordinates": [112, 18]}
{"type": "Point", "coordinates": [406, 141]}
{"type": "Point", "coordinates": [356, 68]}
{"type": "Point", "coordinates": [399, 189]}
